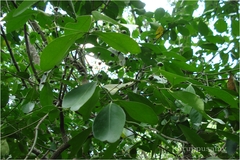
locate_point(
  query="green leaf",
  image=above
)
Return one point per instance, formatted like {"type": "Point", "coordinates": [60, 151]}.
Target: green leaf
{"type": "Point", "coordinates": [28, 107]}
{"type": "Point", "coordinates": [194, 138]}
{"type": "Point", "coordinates": [220, 25]}
{"type": "Point", "coordinates": [110, 150]}
{"type": "Point", "coordinates": [86, 109]}
{"type": "Point", "coordinates": [120, 42]}
{"type": "Point", "coordinates": [83, 24]}
{"type": "Point", "coordinates": [55, 52]}
{"type": "Point", "coordinates": [46, 95]}
{"type": "Point", "coordinates": [223, 95]}
{"type": "Point", "coordinates": [77, 97]}
{"type": "Point", "coordinates": [189, 99]}
{"type": "Point", "coordinates": [23, 7]}
{"type": "Point", "coordinates": [231, 146]}
{"type": "Point", "coordinates": [113, 88]}
{"type": "Point", "coordinates": [173, 78]}
{"type": "Point", "coordinates": [209, 46]}
{"type": "Point", "coordinates": [77, 141]}
{"type": "Point", "coordinates": [140, 112]}
{"type": "Point", "coordinates": [159, 13]}
{"type": "Point", "coordinates": [203, 28]}
{"type": "Point", "coordinates": [173, 35]}
{"type": "Point", "coordinates": [235, 27]}
{"type": "Point", "coordinates": [14, 23]}
{"type": "Point", "coordinates": [105, 54]}
{"type": "Point", "coordinates": [183, 30]}
{"type": "Point", "coordinates": [4, 95]}
{"type": "Point", "coordinates": [215, 39]}
{"type": "Point", "coordinates": [99, 16]}
{"type": "Point", "coordinates": [109, 123]}
{"type": "Point", "coordinates": [228, 135]}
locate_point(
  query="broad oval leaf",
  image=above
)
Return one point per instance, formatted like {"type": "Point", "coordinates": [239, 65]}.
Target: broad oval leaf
{"type": "Point", "coordinates": [28, 107]}
{"type": "Point", "coordinates": [109, 123]}
{"type": "Point", "coordinates": [77, 97]}
{"type": "Point", "coordinates": [159, 13]}
{"type": "Point", "coordinates": [119, 42]}
{"type": "Point", "coordinates": [54, 53]}
{"type": "Point", "coordinates": [140, 112]}
{"type": "Point", "coordinates": [220, 25]}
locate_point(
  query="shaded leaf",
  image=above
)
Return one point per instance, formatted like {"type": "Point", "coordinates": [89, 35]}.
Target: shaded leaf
{"type": "Point", "coordinates": [139, 111]}
{"type": "Point", "coordinates": [183, 30]}
{"type": "Point", "coordinates": [110, 150]}
{"type": "Point", "coordinates": [159, 13]}
{"type": "Point", "coordinates": [220, 25]}
{"type": "Point", "coordinates": [109, 123]}
{"type": "Point", "coordinates": [55, 52]}
{"type": "Point", "coordinates": [26, 108]}
{"type": "Point", "coordinates": [173, 78]}
{"type": "Point", "coordinates": [209, 46]}
{"type": "Point", "coordinates": [77, 97]}
{"type": "Point", "coordinates": [46, 95]}
{"type": "Point", "coordinates": [203, 28]}
{"type": "Point", "coordinates": [231, 146]}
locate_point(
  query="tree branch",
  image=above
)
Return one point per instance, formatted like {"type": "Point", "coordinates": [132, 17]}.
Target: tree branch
{"type": "Point", "coordinates": [29, 54]}
{"type": "Point", "coordinates": [36, 135]}
{"type": "Point", "coordinates": [62, 148]}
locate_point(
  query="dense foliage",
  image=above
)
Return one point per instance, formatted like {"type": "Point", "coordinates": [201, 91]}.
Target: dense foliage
{"type": "Point", "coordinates": [87, 82]}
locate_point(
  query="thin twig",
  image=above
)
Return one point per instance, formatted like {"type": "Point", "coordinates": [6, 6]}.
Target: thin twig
{"type": "Point", "coordinates": [29, 54]}
{"type": "Point", "coordinates": [11, 54]}
{"type": "Point", "coordinates": [36, 136]}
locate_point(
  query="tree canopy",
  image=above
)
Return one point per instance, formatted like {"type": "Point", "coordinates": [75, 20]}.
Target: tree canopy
{"type": "Point", "coordinates": [108, 79]}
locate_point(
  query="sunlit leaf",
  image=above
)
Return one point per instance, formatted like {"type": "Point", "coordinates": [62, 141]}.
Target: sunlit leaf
{"type": "Point", "coordinates": [120, 42]}
{"type": "Point", "coordinates": [77, 97]}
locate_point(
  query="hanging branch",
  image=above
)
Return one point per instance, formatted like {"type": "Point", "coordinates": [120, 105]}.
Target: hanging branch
{"type": "Point", "coordinates": [29, 54]}
{"type": "Point", "coordinates": [11, 54]}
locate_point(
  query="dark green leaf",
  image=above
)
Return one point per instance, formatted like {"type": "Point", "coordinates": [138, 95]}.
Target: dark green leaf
{"type": "Point", "coordinates": [110, 150]}
{"type": "Point", "coordinates": [77, 97]}
{"type": "Point", "coordinates": [140, 112]}
{"type": "Point", "coordinates": [203, 28]}
{"type": "Point", "coordinates": [109, 123]}
{"type": "Point", "coordinates": [159, 13]}
{"type": "Point", "coordinates": [26, 108]}
{"type": "Point", "coordinates": [4, 95]}
{"type": "Point", "coordinates": [209, 46]}
{"type": "Point", "coordinates": [173, 35]}
{"type": "Point", "coordinates": [231, 146]}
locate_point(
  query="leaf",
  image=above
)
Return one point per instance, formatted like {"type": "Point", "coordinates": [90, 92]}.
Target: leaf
{"type": "Point", "coordinates": [105, 54]}
{"type": "Point", "coordinates": [55, 52]}
{"type": "Point", "coordinates": [159, 14]}
{"type": "Point", "coordinates": [120, 42]}
{"type": "Point", "coordinates": [194, 138]}
{"type": "Point", "coordinates": [173, 35]}
{"type": "Point", "coordinates": [189, 99]}
{"type": "Point", "coordinates": [220, 25]}
{"type": "Point", "coordinates": [140, 112]}
{"type": "Point", "coordinates": [46, 95]}
{"type": "Point", "coordinates": [109, 123]}
{"type": "Point", "coordinates": [173, 78]}
{"type": "Point", "coordinates": [28, 107]}
{"type": "Point", "coordinates": [110, 150]}
{"type": "Point", "coordinates": [209, 46]}
{"type": "Point", "coordinates": [23, 7]}
{"type": "Point", "coordinates": [223, 95]}
{"type": "Point", "coordinates": [86, 109]}
{"type": "Point", "coordinates": [113, 88]}
{"type": "Point", "coordinates": [99, 16]}
{"type": "Point", "coordinates": [15, 23]}
{"type": "Point", "coordinates": [4, 95]}
{"type": "Point", "coordinates": [83, 24]}
{"type": "Point", "coordinates": [77, 141]}
{"type": "Point", "coordinates": [184, 31]}
{"type": "Point", "coordinates": [77, 97]}
{"type": "Point", "coordinates": [231, 147]}
{"type": "Point", "coordinates": [203, 28]}
{"type": "Point", "coordinates": [159, 32]}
